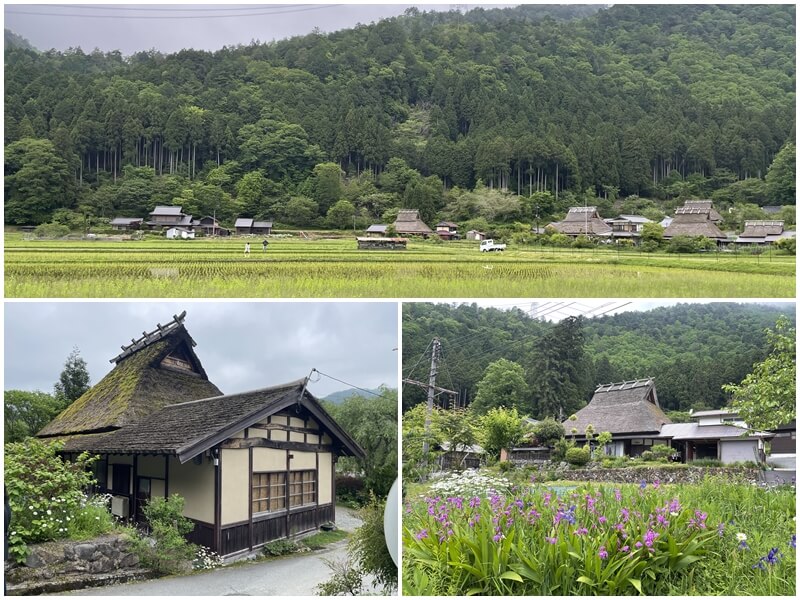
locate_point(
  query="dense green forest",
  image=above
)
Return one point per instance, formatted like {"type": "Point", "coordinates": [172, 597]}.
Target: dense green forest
{"type": "Point", "coordinates": [498, 115]}
{"type": "Point", "coordinates": [690, 349]}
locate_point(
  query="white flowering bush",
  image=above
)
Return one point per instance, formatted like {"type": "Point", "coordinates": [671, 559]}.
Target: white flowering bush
{"type": "Point", "coordinates": [470, 483]}
{"type": "Point", "coordinates": [46, 496]}
{"type": "Point", "coordinates": [206, 559]}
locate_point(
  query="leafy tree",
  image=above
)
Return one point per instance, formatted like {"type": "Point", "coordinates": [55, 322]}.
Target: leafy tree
{"type": "Point", "coordinates": [503, 385]}
{"type": "Point", "coordinates": [25, 413]}
{"type": "Point", "coordinates": [73, 382]}
{"type": "Point", "coordinates": [37, 181]}
{"type": "Point", "coordinates": [326, 185]}
{"type": "Point", "coordinates": [781, 182]}
{"type": "Point", "coordinates": [372, 422]}
{"type": "Point", "coordinates": [301, 211]}
{"type": "Point", "coordinates": [340, 215]}
{"type": "Point", "coordinates": [548, 431]}
{"type": "Point", "coordinates": [767, 397]}
{"type": "Point", "coordinates": [500, 428]}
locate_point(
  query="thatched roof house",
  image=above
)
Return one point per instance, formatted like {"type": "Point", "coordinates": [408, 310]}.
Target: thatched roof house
{"type": "Point", "coordinates": [409, 223]}
{"type": "Point", "coordinates": [713, 215]}
{"type": "Point", "coordinates": [763, 232]}
{"type": "Point", "coordinates": [158, 369]}
{"type": "Point", "coordinates": [252, 467]}
{"type": "Point", "coordinates": [695, 219]}
{"type": "Point", "coordinates": [628, 410]}
{"type": "Point", "coordinates": [582, 220]}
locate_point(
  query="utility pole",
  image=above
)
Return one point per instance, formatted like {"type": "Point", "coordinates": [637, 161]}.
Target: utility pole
{"type": "Point", "coordinates": [431, 392]}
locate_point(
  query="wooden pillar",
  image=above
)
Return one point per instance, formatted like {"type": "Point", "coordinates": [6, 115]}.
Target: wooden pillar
{"type": "Point", "coordinates": [288, 487]}
{"type": "Point", "coordinates": [166, 476]}
{"type": "Point", "coordinates": [135, 476]}
{"type": "Point", "coordinates": [316, 491]}
{"type": "Point", "coordinates": [217, 454]}
{"type": "Point", "coordinates": [250, 497]}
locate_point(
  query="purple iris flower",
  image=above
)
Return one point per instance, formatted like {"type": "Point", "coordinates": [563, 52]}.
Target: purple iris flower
{"type": "Point", "coordinates": [602, 553]}
{"type": "Point", "coordinates": [422, 534]}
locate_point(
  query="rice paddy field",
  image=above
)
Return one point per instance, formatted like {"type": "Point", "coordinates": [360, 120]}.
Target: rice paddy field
{"type": "Point", "coordinates": [294, 267]}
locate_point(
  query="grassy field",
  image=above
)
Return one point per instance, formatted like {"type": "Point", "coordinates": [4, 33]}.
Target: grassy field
{"type": "Point", "coordinates": [335, 268]}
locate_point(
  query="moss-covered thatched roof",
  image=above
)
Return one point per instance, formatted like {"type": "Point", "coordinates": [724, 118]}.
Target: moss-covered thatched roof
{"type": "Point", "coordinates": [139, 385]}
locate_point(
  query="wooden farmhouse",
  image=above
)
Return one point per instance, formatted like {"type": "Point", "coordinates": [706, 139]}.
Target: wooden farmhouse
{"type": "Point", "coordinates": [627, 227]}
{"type": "Point", "coordinates": [716, 434]}
{"type": "Point", "coordinates": [447, 230]}
{"type": "Point", "coordinates": [126, 223]}
{"type": "Point", "coordinates": [247, 226]}
{"type": "Point", "coordinates": [409, 223]}
{"type": "Point", "coordinates": [210, 226]}
{"type": "Point", "coordinates": [252, 467]}
{"type": "Point", "coordinates": [695, 218]}
{"type": "Point", "coordinates": [381, 243]}
{"type": "Point", "coordinates": [376, 230]}
{"type": "Point", "coordinates": [583, 220]}
{"type": "Point", "coordinates": [168, 216]}
{"type": "Point", "coordinates": [629, 411]}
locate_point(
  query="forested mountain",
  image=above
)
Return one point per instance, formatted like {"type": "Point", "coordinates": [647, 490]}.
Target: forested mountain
{"type": "Point", "coordinates": [690, 349]}
{"type": "Point", "coordinates": [12, 40]}
{"type": "Point", "coordinates": [537, 106]}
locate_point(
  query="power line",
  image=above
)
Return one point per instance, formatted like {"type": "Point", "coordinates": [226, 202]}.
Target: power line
{"type": "Point", "coordinates": [215, 16]}
{"type": "Point", "coordinates": [153, 8]}
{"type": "Point", "coordinates": [419, 360]}
{"type": "Point", "coordinates": [346, 383]}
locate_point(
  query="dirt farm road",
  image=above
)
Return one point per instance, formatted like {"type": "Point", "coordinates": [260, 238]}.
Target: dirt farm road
{"type": "Point", "coordinates": [296, 575]}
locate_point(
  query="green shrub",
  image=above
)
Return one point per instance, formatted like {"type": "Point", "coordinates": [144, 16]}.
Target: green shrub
{"type": "Point", "coordinates": [45, 493]}
{"type": "Point", "coordinates": [649, 246]}
{"type": "Point", "coordinates": [789, 245]}
{"type": "Point", "coordinates": [368, 545]}
{"type": "Point", "coordinates": [577, 457]}
{"type": "Point", "coordinates": [169, 552]}
{"type": "Point", "coordinates": [93, 520]}
{"type": "Point", "coordinates": [505, 466]}
{"type": "Point", "coordinates": [706, 462]}
{"type": "Point", "coordinates": [662, 452]}
{"type": "Point", "coordinates": [560, 449]}
{"type": "Point", "coordinates": [548, 431]}
{"type": "Point", "coordinates": [281, 548]}
{"type": "Point", "coordinates": [51, 230]}
{"type": "Point", "coordinates": [648, 456]}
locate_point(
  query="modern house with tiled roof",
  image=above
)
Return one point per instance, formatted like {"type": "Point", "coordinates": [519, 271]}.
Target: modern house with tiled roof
{"type": "Point", "coordinates": [694, 219]}
{"type": "Point", "coordinates": [252, 467]}
{"type": "Point", "coordinates": [582, 220]}
{"type": "Point", "coordinates": [717, 434]}
{"type": "Point", "coordinates": [408, 222]}
{"type": "Point", "coordinates": [629, 410]}
{"type": "Point", "coordinates": [169, 216]}
{"type": "Point", "coordinates": [126, 223]}
{"type": "Point", "coordinates": [627, 227]}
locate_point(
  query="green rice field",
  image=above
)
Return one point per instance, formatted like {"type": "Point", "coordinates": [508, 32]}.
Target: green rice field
{"type": "Point", "coordinates": [294, 267]}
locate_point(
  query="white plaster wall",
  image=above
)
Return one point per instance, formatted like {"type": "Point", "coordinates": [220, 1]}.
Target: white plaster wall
{"type": "Point", "coordinates": [196, 484]}
{"type": "Point", "coordinates": [736, 450]}
{"type": "Point", "coordinates": [325, 477]}
{"type": "Point", "coordinates": [235, 485]}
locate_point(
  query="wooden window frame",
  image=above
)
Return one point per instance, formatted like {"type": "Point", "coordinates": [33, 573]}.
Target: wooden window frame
{"type": "Point", "coordinates": [303, 485]}
{"type": "Point", "coordinates": [273, 497]}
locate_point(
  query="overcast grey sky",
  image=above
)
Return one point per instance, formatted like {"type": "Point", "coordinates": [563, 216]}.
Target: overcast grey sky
{"type": "Point", "coordinates": [242, 345]}
{"type": "Point", "coordinates": [172, 27]}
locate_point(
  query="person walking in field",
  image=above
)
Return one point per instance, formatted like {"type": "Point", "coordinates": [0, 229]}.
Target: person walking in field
{"type": "Point", "coordinates": [264, 245]}
{"type": "Point", "coordinates": [247, 248]}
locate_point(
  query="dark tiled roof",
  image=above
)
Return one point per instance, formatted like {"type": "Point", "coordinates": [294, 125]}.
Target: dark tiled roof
{"type": "Point", "coordinates": [376, 229]}
{"type": "Point", "coordinates": [263, 224]}
{"type": "Point", "coordinates": [172, 211]}
{"type": "Point", "coordinates": [189, 428]}
{"type": "Point", "coordinates": [125, 220]}
{"type": "Point", "coordinates": [136, 387]}
{"type": "Point", "coordinates": [694, 431]}
{"type": "Point", "coordinates": [626, 407]}
{"type": "Point", "coordinates": [243, 222]}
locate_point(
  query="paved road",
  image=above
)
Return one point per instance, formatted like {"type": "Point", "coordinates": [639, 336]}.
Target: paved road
{"type": "Point", "coordinates": [296, 575]}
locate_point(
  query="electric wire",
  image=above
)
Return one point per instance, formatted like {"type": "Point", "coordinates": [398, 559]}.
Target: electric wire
{"type": "Point", "coordinates": [152, 17]}
{"type": "Point", "coordinates": [348, 384]}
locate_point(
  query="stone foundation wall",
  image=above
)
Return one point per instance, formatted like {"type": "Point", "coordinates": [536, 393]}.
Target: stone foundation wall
{"type": "Point", "coordinates": [62, 565]}
{"type": "Point", "coordinates": [661, 474]}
